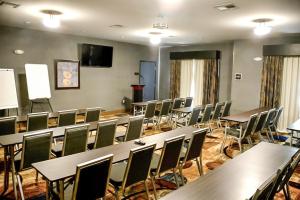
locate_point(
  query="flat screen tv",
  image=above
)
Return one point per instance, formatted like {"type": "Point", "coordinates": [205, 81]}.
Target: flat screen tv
{"type": "Point", "coordinates": [96, 55]}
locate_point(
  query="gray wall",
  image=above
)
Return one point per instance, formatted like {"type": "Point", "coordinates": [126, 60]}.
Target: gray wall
{"type": "Point", "coordinates": [99, 86]}
{"type": "Point", "coordinates": [226, 49]}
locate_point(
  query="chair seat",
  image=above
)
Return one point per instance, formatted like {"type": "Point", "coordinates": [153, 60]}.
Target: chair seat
{"type": "Point", "coordinates": [233, 132]}
{"type": "Point", "coordinates": [117, 173]}
{"type": "Point", "coordinates": [57, 149]}
{"type": "Point", "coordinates": [91, 142]}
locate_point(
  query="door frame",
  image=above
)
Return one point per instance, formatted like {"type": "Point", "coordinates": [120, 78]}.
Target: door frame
{"type": "Point", "coordinates": [155, 78]}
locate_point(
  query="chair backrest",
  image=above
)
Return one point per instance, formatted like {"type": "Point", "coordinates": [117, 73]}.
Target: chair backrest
{"type": "Point", "coordinates": [194, 149]}
{"type": "Point", "coordinates": [66, 117]}
{"type": "Point", "coordinates": [188, 102]}
{"type": "Point", "coordinates": [150, 109]}
{"type": "Point", "coordinates": [165, 107]}
{"type": "Point", "coordinates": [261, 121]}
{"type": "Point", "coordinates": [105, 134]}
{"type": "Point", "coordinates": [170, 154]}
{"type": "Point", "coordinates": [263, 192]}
{"type": "Point", "coordinates": [194, 116]}
{"type": "Point", "coordinates": [277, 117]}
{"type": "Point", "coordinates": [92, 115]}
{"type": "Point", "coordinates": [135, 127]}
{"type": "Point", "coordinates": [250, 125]}
{"type": "Point", "coordinates": [75, 140]}
{"type": "Point", "coordinates": [206, 113]}
{"type": "Point", "coordinates": [217, 111]}
{"type": "Point", "coordinates": [281, 173]}
{"type": "Point", "coordinates": [270, 117]}
{"type": "Point", "coordinates": [8, 125]}
{"type": "Point", "coordinates": [138, 166]}
{"type": "Point", "coordinates": [177, 103]}
{"type": "Point", "coordinates": [36, 148]}
{"type": "Point", "coordinates": [37, 121]}
{"type": "Point", "coordinates": [227, 107]}
{"type": "Point", "coordinates": [92, 178]}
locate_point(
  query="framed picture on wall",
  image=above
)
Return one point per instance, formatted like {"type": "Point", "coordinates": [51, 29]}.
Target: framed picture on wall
{"type": "Point", "coordinates": [67, 74]}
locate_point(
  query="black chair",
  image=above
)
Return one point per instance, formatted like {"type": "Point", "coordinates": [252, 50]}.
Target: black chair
{"type": "Point", "coordinates": [176, 104]}
{"type": "Point", "coordinates": [168, 160]}
{"type": "Point", "coordinates": [215, 118]}
{"type": "Point", "coordinates": [92, 115]}
{"type": "Point", "coordinates": [37, 121]}
{"type": "Point", "coordinates": [134, 171]}
{"type": "Point", "coordinates": [193, 119]}
{"type": "Point", "coordinates": [188, 102]}
{"type": "Point", "coordinates": [267, 127]}
{"type": "Point", "coordinates": [204, 120]}
{"type": "Point", "coordinates": [75, 141]}
{"type": "Point", "coordinates": [263, 192]}
{"type": "Point", "coordinates": [35, 148]}
{"type": "Point", "coordinates": [193, 151]}
{"type": "Point", "coordinates": [239, 134]}
{"type": "Point", "coordinates": [150, 112]}
{"type": "Point", "coordinates": [260, 124]}
{"type": "Point", "coordinates": [164, 110]}
{"type": "Point", "coordinates": [66, 118]}
{"type": "Point", "coordinates": [134, 129]}
{"type": "Point", "coordinates": [226, 111]}
{"type": "Point", "coordinates": [105, 135]}
{"type": "Point", "coordinates": [92, 178]}
{"type": "Point", "coordinates": [8, 125]}
{"type": "Point", "coordinates": [273, 124]}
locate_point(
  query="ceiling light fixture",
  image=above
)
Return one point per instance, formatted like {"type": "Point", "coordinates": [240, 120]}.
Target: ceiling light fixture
{"type": "Point", "coordinates": [51, 18]}
{"type": "Point", "coordinates": [262, 28]}
{"type": "Point", "coordinates": [225, 6]}
{"type": "Point", "coordinates": [257, 59]}
{"type": "Point", "coordinates": [160, 23]}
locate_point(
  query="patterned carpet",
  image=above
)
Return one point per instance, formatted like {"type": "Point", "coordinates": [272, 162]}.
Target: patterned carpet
{"type": "Point", "coordinates": [212, 159]}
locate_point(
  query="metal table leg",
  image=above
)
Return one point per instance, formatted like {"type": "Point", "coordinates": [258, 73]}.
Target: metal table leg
{"type": "Point", "coordinates": [13, 170]}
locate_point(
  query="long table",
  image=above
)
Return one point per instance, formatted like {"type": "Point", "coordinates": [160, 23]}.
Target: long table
{"type": "Point", "coordinates": [9, 142]}
{"type": "Point", "coordinates": [238, 178]}
{"type": "Point", "coordinates": [52, 169]}
{"type": "Point", "coordinates": [244, 116]}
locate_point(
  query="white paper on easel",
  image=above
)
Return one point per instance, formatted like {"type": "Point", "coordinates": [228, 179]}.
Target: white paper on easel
{"type": "Point", "coordinates": [8, 92]}
{"type": "Point", "coordinates": [37, 81]}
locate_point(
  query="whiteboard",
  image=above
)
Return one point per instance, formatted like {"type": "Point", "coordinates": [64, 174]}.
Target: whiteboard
{"type": "Point", "coordinates": [38, 85]}
{"type": "Point", "coordinates": [8, 97]}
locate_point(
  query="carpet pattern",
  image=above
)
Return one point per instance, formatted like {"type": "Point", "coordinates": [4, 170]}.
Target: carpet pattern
{"type": "Point", "coordinates": [212, 158]}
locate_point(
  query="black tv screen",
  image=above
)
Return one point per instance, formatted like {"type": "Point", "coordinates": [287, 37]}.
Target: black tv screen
{"type": "Point", "coordinates": [96, 55]}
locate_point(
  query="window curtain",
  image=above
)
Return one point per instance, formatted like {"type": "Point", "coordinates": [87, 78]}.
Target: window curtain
{"type": "Point", "coordinates": [271, 81]}
{"type": "Point", "coordinates": [290, 91]}
{"type": "Point", "coordinates": [186, 78]}
{"type": "Point", "coordinates": [210, 82]}
{"type": "Point", "coordinates": [198, 78]}
{"type": "Point", "coordinates": [175, 78]}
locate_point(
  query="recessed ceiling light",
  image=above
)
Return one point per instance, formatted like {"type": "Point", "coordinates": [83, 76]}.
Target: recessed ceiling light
{"type": "Point", "coordinates": [155, 33]}
{"type": "Point", "coordinates": [51, 18]}
{"type": "Point", "coordinates": [225, 6]}
{"type": "Point", "coordinates": [262, 28]}
{"type": "Point", "coordinates": [116, 26]}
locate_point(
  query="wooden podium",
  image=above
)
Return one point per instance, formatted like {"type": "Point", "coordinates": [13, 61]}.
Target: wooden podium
{"type": "Point", "coordinates": [137, 93]}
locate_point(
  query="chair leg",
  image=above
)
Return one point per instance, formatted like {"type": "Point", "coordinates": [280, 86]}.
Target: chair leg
{"type": "Point", "coordinates": [199, 165]}
{"type": "Point", "coordinates": [223, 142]}
{"type": "Point", "coordinates": [147, 190]}
{"type": "Point", "coordinates": [181, 174]}
{"type": "Point", "coordinates": [175, 177]}
{"type": "Point", "coordinates": [154, 188]}
{"type": "Point", "coordinates": [36, 176]}
{"type": "Point", "coordinates": [20, 186]}
{"type": "Point", "coordinates": [240, 145]}
{"type": "Point", "coordinates": [271, 134]}
{"type": "Point", "coordinates": [116, 193]}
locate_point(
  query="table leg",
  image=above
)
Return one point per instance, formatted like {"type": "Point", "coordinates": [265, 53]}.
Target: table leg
{"type": "Point", "coordinates": [13, 170]}
{"type": "Point", "coordinates": [6, 172]}
{"type": "Point", "coordinates": [61, 190]}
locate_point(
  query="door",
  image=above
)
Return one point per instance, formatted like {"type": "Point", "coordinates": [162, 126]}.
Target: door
{"type": "Point", "coordinates": [148, 78]}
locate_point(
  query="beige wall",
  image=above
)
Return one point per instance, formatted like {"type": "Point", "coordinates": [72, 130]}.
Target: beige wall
{"type": "Point", "coordinates": [103, 87]}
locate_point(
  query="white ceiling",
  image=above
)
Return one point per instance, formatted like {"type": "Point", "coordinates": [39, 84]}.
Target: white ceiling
{"type": "Point", "coordinates": [190, 21]}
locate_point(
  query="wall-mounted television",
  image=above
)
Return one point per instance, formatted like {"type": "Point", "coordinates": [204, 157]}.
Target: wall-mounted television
{"type": "Point", "coordinates": [96, 55]}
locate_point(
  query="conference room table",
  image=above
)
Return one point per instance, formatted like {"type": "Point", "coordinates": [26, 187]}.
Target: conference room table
{"type": "Point", "coordinates": [239, 178]}
{"type": "Point", "coordinates": [294, 128]}
{"type": "Point", "coordinates": [9, 141]}
{"type": "Point", "coordinates": [142, 105]}
{"type": "Point", "coordinates": [52, 171]}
